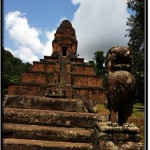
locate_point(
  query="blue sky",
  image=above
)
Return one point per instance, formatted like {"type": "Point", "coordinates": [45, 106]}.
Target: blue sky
{"type": "Point", "coordinates": [42, 13]}
{"type": "Point", "coordinates": [29, 26]}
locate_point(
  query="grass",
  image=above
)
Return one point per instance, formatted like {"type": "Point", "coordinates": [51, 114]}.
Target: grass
{"type": "Point", "coordinates": [137, 116]}
{"type": "Point", "coordinates": [138, 111]}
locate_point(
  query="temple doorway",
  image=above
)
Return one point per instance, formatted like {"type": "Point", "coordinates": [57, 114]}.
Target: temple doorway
{"type": "Point", "coordinates": [64, 51]}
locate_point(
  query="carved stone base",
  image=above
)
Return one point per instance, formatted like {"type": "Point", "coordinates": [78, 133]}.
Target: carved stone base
{"type": "Point", "coordinates": [110, 136]}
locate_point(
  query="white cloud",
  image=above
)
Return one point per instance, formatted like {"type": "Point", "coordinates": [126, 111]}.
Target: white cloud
{"type": "Point", "coordinates": [99, 24]}
{"type": "Point", "coordinates": [26, 54]}
{"type": "Point", "coordinates": [29, 47]}
{"type": "Point", "coordinates": [47, 50]}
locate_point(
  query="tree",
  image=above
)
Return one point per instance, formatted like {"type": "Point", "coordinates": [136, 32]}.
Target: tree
{"type": "Point", "coordinates": [98, 64]}
{"type": "Point", "coordinates": [136, 43]}
{"type": "Point", "coordinates": [99, 59]}
{"type": "Point", "coordinates": [92, 63]}
{"type": "Point", "coordinates": [136, 24]}
{"type": "Point", "coordinates": [12, 69]}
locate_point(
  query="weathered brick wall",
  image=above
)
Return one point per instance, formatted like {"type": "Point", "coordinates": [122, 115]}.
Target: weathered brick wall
{"type": "Point", "coordinates": [95, 95]}
{"type": "Point", "coordinates": [56, 78]}
{"type": "Point", "coordinates": [37, 77]}
{"type": "Point", "coordinates": [68, 78]}
{"type": "Point", "coordinates": [50, 59]}
{"type": "Point", "coordinates": [49, 89]}
{"type": "Point", "coordinates": [78, 80]}
{"type": "Point", "coordinates": [83, 69]}
{"type": "Point", "coordinates": [98, 96]}
{"type": "Point", "coordinates": [68, 67]}
{"type": "Point", "coordinates": [69, 91]}
{"type": "Point", "coordinates": [57, 67]}
{"type": "Point", "coordinates": [25, 90]}
{"type": "Point", "coordinates": [30, 89]}
{"type": "Point", "coordinates": [77, 60]}
{"type": "Point", "coordinates": [41, 66]}
{"type": "Point", "coordinates": [50, 67]}
{"type": "Point", "coordinates": [38, 66]}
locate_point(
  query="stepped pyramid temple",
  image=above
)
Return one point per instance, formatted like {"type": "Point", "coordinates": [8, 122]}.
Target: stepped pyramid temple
{"type": "Point", "coordinates": [62, 73]}
{"type": "Point", "coordinates": [53, 107]}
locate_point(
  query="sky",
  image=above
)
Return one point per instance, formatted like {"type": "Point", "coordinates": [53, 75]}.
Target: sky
{"type": "Point", "coordinates": [30, 25]}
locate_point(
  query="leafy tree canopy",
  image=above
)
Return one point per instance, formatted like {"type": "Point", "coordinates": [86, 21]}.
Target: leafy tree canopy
{"type": "Point", "coordinates": [98, 62]}
{"type": "Point", "coordinates": [136, 43]}
{"type": "Point", "coordinates": [136, 33]}
{"type": "Point", "coordinates": [12, 68]}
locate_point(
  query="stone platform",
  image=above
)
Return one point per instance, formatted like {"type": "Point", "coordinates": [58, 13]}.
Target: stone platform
{"type": "Point", "coordinates": [42, 123]}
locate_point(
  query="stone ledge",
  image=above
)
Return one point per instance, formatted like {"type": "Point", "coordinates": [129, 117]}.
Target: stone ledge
{"type": "Point", "coordinates": [24, 144]}
{"type": "Point", "coordinates": [88, 88]}
{"type": "Point", "coordinates": [113, 127]}
{"type": "Point", "coordinates": [85, 75]}
{"type": "Point", "coordinates": [27, 84]}
{"type": "Point", "coordinates": [109, 145]}
{"type": "Point", "coordinates": [48, 133]}
{"type": "Point", "coordinates": [107, 134]}
{"type": "Point", "coordinates": [83, 64]}
{"type": "Point", "coordinates": [42, 72]}
{"type": "Point", "coordinates": [43, 62]}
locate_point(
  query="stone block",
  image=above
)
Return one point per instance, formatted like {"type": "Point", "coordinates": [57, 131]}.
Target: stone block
{"type": "Point", "coordinates": [110, 136]}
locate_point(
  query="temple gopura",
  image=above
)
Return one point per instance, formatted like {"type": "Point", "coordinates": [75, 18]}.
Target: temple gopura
{"type": "Point", "coordinates": [63, 74]}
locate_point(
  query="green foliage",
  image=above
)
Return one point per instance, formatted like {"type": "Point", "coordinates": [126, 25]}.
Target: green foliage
{"type": "Point", "coordinates": [92, 63]}
{"type": "Point", "coordinates": [99, 59]}
{"type": "Point", "coordinates": [136, 25]}
{"type": "Point", "coordinates": [136, 43]}
{"type": "Point", "coordinates": [12, 69]}
{"type": "Point", "coordinates": [98, 64]}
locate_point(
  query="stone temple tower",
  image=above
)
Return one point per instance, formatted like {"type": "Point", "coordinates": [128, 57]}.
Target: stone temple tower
{"type": "Point", "coordinates": [65, 42]}
{"type": "Point", "coordinates": [62, 74]}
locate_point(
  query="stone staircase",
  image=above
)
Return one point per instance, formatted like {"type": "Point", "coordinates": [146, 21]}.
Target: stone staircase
{"type": "Point", "coordinates": [62, 82]}
{"type": "Point", "coordinates": [41, 123]}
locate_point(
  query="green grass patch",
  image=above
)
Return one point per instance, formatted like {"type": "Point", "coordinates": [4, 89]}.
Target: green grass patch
{"type": "Point", "coordinates": [101, 109]}
{"type": "Point", "coordinates": [138, 111]}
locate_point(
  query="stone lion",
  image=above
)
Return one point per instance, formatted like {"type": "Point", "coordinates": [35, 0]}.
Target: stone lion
{"type": "Point", "coordinates": [121, 91]}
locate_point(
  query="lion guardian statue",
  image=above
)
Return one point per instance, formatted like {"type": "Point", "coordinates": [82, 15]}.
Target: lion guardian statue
{"type": "Point", "coordinates": [121, 91]}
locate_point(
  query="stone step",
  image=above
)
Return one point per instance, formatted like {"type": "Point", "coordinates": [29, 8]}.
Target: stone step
{"type": "Point", "coordinates": [24, 144]}
{"type": "Point", "coordinates": [50, 118]}
{"type": "Point", "coordinates": [36, 102]}
{"type": "Point", "coordinates": [36, 132]}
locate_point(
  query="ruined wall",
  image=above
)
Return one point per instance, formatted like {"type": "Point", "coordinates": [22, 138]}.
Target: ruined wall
{"type": "Point", "coordinates": [38, 77]}
{"type": "Point", "coordinates": [68, 67]}
{"type": "Point", "coordinates": [68, 79]}
{"type": "Point", "coordinates": [30, 89]}
{"type": "Point", "coordinates": [50, 59]}
{"type": "Point", "coordinates": [96, 95]}
{"type": "Point", "coordinates": [56, 78]}
{"type": "Point", "coordinates": [47, 67]}
{"type": "Point", "coordinates": [25, 90]}
{"type": "Point", "coordinates": [77, 60]}
{"type": "Point", "coordinates": [85, 80]}
{"type": "Point", "coordinates": [57, 67]}
{"type": "Point", "coordinates": [69, 91]}
{"type": "Point", "coordinates": [83, 69]}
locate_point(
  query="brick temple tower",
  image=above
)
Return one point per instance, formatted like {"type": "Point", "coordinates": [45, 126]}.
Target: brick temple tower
{"type": "Point", "coordinates": [62, 73]}
{"type": "Point", "coordinates": [65, 42]}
